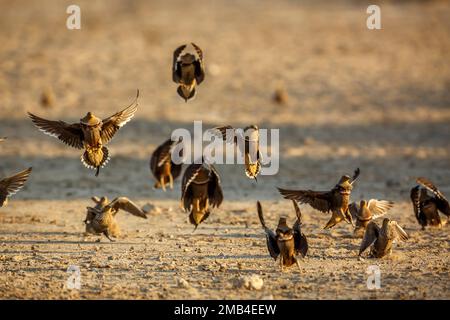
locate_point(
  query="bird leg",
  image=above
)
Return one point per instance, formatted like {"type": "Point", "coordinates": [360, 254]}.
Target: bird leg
{"type": "Point", "coordinates": [163, 183]}
{"type": "Point", "coordinates": [298, 264]}
{"type": "Point", "coordinates": [106, 233]}
{"type": "Point", "coordinates": [170, 181]}
{"type": "Point", "coordinates": [281, 263]}
{"type": "Point", "coordinates": [197, 204]}
{"type": "Point", "coordinates": [97, 172]}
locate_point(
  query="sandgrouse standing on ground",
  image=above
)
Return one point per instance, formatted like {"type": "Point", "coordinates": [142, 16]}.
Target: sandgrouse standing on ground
{"type": "Point", "coordinates": [285, 242]}
{"type": "Point", "coordinates": [381, 239]}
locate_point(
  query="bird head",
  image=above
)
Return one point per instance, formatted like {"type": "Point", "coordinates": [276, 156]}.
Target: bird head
{"type": "Point", "coordinates": [90, 120]}
{"type": "Point", "coordinates": [344, 186]}
{"type": "Point", "coordinates": [284, 233]}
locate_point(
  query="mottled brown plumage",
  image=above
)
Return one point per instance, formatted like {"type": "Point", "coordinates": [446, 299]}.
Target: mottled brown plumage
{"type": "Point", "coordinates": [11, 185]}
{"type": "Point", "coordinates": [367, 211]}
{"type": "Point", "coordinates": [286, 243]}
{"type": "Point", "coordinates": [200, 190]}
{"type": "Point", "coordinates": [335, 201]}
{"type": "Point", "coordinates": [248, 144]}
{"type": "Point", "coordinates": [426, 207]}
{"type": "Point", "coordinates": [100, 219]}
{"type": "Point", "coordinates": [188, 69]}
{"type": "Point", "coordinates": [163, 168]}
{"type": "Point", "coordinates": [381, 239]}
{"type": "Point", "coordinates": [90, 134]}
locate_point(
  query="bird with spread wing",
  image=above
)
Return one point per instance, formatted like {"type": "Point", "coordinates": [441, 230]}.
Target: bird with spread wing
{"type": "Point", "coordinates": [101, 219]}
{"type": "Point", "coordinates": [200, 190]}
{"type": "Point", "coordinates": [188, 69]}
{"type": "Point", "coordinates": [335, 201]}
{"type": "Point", "coordinates": [286, 243]}
{"type": "Point", "coordinates": [381, 240]}
{"type": "Point", "coordinates": [367, 211]}
{"type": "Point", "coordinates": [248, 144]}
{"type": "Point", "coordinates": [426, 207]}
{"type": "Point", "coordinates": [90, 134]}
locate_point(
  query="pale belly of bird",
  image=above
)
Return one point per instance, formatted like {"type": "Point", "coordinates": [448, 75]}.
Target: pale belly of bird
{"type": "Point", "coordinates": [287, 251]}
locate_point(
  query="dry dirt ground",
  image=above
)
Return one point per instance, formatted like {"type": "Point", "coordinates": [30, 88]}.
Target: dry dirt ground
{"type": "Point", "coordinates": [378, 100]}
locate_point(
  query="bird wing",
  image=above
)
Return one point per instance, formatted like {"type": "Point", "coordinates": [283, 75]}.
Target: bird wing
{"type": "Point", "coordinates": [176, 74]}
{"type": "Point", "coordinates": [10, 185]}
{"type": "Point", "coordinates": [370, 235]}
{"type": "Point", "coordinates": [379, 208]}
{"type": "Point", "coordinates": [127, 205]}
{"type": "Point", "coordinates": [399, 232]}
{"type": "Point", "coordinates": [300, 241]}
{"type": "Point", "coordinates": [199, 66]}
{"type": "Point", "coordinates": [112, 124]}
{"type": "Point", "coordinates": [215, 193]}
{"type": "Point", "coordinates": [355, 175]}
{"type": "Point", "coordinates": [226, 133]}
{"type": "Point", "coordinates": [161, 154]}
{"type": "Point", "coordinates": [354, 210]}
{"type": "Point", "coordinates": [190, 174]}
{"type": "Point", "coordinates": [441, 202]}
{"type": "Point", "coordinates": [430, 186]}
{"type": "Point", "coordinates": [70, 134]}
{"type": "Point", "coordinates": [415, 199]}
{"type": "Point", "coordinates": [3, 139]}
{"type": "Point", "coordinates": [271, 239]}
{"type": "Point", "coordinates": [319, 200]}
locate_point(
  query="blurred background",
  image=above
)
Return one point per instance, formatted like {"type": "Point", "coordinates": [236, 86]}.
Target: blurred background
{"type": "Point", "coordinates": [342, 95]}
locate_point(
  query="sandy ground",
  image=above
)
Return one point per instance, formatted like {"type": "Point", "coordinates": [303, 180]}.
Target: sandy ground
{"type": "Point", "coordinates": [378, 100]}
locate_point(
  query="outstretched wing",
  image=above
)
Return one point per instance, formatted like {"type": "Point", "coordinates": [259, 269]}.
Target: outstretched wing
{"type": "Point", "coordinates": [176, 73]}
{"type": "Point", "coordinates": [399, 232]}
{"type": "Point", "coordinates": [441, 202]}
{"type": "Point", "coordinates": [127, 205]}
{"type": "Point", "coordinates": [271, 239]}
{"type": "Point", "coordinates": [300, 241]}
{"type": "Point", "coordinates": [319, 200]}
{"type": "Point", "coordinates": [371, 234]}
{"type": "Point", "coordinates": [199, 65]}
{"type": "Point", "coordinates": [11, 185]}
{"type": "Point", "coordinates": [70, 134]}
{"type": "Point", "coordinates": [355, 175]}
{"type": "Point", "coordinates": [190, 174]}
{"type": "Point", "coordinates": [215, 193]}
{"type": "Point", "coordinates": [430, 186]}
{"type": "Point", "coordinates": [226, 133]}
{"type": "Point", "coordinates": [379, 208]}
{"type": "Point", "coordinates": [112, 124]}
